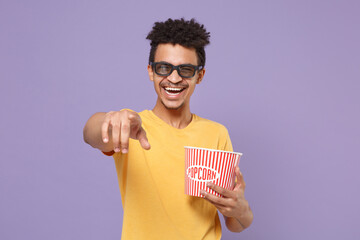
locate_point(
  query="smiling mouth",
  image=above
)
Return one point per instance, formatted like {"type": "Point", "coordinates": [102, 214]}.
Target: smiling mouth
{"type": "Point", "coordinates": [173, 90]}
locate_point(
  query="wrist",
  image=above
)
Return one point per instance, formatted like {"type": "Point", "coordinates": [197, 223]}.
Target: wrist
{"type": "Point", "coordinates": [246, 218]}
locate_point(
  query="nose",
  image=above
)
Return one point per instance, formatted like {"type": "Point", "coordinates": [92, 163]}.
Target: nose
{"type": "Point", "coordinates": [174, 77]}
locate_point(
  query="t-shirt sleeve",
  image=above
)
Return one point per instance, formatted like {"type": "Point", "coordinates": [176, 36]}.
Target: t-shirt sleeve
{"type": "Point", "coordinates": [225, 141]}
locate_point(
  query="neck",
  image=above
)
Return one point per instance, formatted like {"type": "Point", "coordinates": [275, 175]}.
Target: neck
{"type": "Point", "coordinates": [177, 118]}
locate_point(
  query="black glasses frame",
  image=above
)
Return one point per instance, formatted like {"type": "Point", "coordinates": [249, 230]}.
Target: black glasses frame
{"type": "Point", "coordinates": [177, 68]}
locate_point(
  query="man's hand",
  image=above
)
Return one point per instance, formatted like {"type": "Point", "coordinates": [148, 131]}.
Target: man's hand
{"type": "Point", "coordinates": [233, 204]}
{"type": "Point", "coordinates": [123, 125]}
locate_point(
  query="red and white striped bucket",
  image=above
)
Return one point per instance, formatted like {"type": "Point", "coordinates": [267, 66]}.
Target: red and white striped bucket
{"type": "Point", "coordinates": [209, 165]}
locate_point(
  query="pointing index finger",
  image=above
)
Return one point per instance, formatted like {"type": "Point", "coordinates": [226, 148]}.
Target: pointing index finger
{"type": "Point", "coordinates": [143, 139]}
{"type": "Point", "coordinates": [140, 134]}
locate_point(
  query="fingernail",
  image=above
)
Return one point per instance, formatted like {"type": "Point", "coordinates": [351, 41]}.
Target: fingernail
{"type": "Point", "coordinates": [124, 150]}
{"type": "Point", "coordinates": [209, 184]}
{"type": "Point", "coordinates": [117, 149]}
{"type": "Point", "coordinates": [105, 140]}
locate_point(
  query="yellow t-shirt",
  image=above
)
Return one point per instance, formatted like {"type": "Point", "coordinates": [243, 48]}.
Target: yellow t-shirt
{"type": "Point", "coordinates": [152, 182]}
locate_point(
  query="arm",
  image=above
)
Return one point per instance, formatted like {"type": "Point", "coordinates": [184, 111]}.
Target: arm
{"type": "Point", "coordinates": [234, 207]}
{"type": "Point", "coordinates": [111, 131]}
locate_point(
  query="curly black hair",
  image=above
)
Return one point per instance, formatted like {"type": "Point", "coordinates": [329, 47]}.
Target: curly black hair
{"type": "Point", "coordinates": [189, 34]}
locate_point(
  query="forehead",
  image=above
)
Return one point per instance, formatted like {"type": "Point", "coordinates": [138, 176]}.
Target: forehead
{"type": "Point", "coordinates": [175, 54]}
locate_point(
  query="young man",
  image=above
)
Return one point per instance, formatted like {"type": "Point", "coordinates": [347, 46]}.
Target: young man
{"type": "Point", "coordinates": [151, 178]}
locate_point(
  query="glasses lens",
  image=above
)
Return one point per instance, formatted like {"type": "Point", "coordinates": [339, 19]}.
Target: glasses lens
{"type": "Point", "coordinates": [187, 71]}
{"type": "Point", "coordinates": [163, 68]}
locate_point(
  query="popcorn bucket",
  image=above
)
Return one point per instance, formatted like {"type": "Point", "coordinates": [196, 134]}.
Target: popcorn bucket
{"type": "Point", "coordinates": [209, 165]}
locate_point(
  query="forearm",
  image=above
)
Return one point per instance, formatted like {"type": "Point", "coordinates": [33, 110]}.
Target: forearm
{"type": "Point", "coordinates": [239, 223]}
{"type": "Point", "coordinates": [92, 133]}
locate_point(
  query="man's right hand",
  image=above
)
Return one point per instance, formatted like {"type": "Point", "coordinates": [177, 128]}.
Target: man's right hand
{"type": "Point", "coordinates": [111, 131]}
{"type": "Point", "coordinates": [123, 125]}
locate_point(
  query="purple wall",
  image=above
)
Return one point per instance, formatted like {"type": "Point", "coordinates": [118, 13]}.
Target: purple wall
{"type": "Point", "coordinates": [283, 76]}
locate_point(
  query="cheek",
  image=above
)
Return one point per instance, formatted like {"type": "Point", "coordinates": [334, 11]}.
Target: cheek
{"type": "Point", "coordinates": [157, 84]}
{"type": "Point", "coordinates": [157, 87]}
{"type": "Point", "coordinates": [191, 90]}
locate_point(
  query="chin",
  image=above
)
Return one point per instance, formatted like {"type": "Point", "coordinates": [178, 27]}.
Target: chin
{"type": "Point", "coordinates": [171, 107]}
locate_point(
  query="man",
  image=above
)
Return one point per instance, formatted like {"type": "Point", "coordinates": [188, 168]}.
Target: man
{"type": "Point", "coordinates": [151, 178]}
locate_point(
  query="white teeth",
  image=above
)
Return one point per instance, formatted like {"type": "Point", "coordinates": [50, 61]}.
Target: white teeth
{"type": "Point", "coordinates": [173, 89]}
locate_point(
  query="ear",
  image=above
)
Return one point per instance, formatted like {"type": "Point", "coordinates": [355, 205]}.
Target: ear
{"type": "Point", "coordinates": [150, 72]}
{"type": "Point", "coordinates": [201, 76]}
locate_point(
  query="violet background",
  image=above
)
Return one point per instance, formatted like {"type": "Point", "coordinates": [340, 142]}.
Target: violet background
{"type": "Point", "coordinates": [282, 76]}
